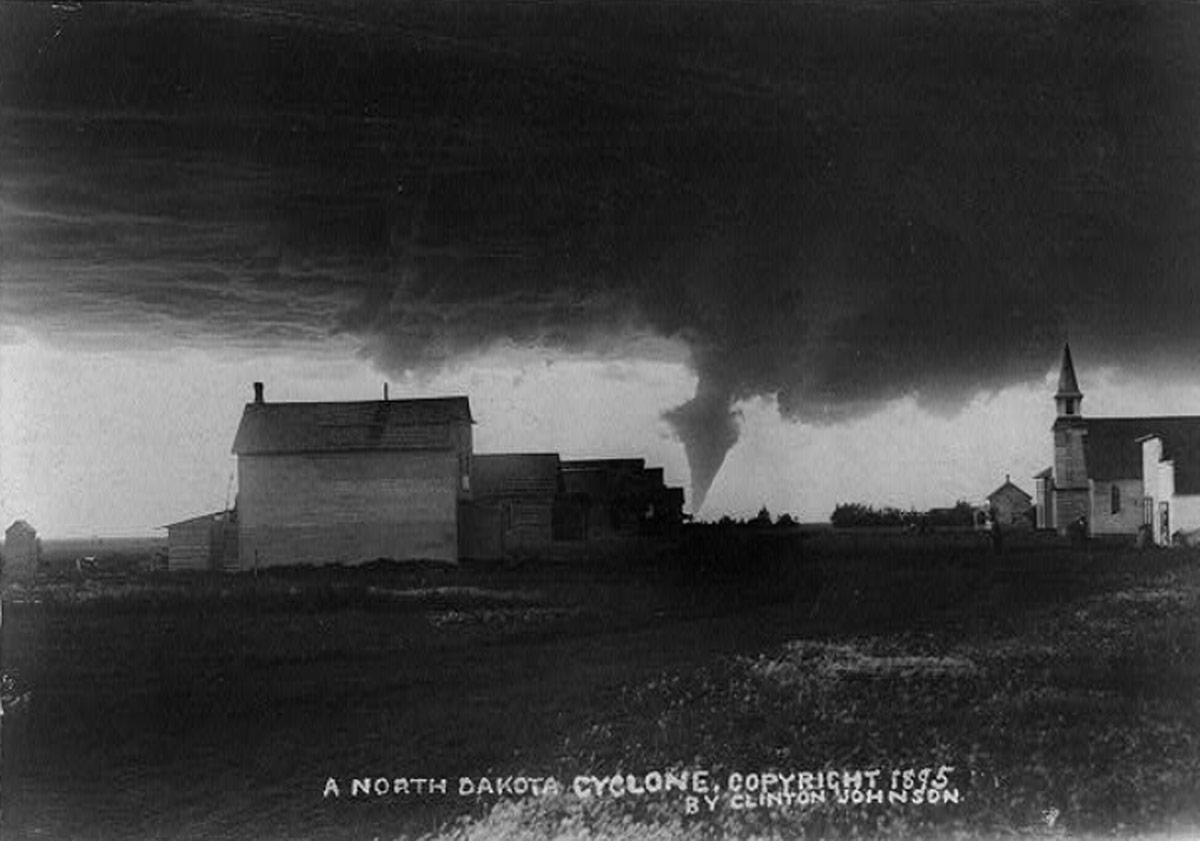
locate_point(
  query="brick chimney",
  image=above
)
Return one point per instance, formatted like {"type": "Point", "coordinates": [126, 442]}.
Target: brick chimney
{"type": "Point", "coordinates": [258, 393]}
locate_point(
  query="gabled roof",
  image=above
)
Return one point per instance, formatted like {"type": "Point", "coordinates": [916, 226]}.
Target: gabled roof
{"type": "Point", "coordinates": [1045, 474]}
{"type": "Point", "coordinates": [423, 424]}
{"type": "Point", "coordinates": [1008, 488]}
{"type": "Point", "coordinates": [1068, 385]}
{"type": "Point", "coordinates": [1112, 450]}
{"type": "Point", "coordinates": [514, 474]}
{"type": "Point", "coordinates": [19, 527]}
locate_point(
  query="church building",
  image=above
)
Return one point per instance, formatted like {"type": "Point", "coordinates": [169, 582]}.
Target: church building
{"type": "Point", "coordinates": [1119, 474]}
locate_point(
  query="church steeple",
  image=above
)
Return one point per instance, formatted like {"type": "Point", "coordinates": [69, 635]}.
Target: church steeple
{"type": "Point", "coordinates": [1068, 397]}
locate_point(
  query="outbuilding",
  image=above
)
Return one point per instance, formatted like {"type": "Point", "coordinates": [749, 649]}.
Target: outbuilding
{"type": "Point", "coordinates": [22, 549]}
{"type": "Point", "coordinates": [207, 542]}
{"type": "Point", "coordinates": [1010, 506]}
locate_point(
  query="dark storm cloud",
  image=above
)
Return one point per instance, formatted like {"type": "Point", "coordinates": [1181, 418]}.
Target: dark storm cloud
{"type": "Point", "coordinates": [838, 204]}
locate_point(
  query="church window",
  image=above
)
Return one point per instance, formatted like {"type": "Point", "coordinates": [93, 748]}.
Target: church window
{"type": "Point", "coordinates": [1116, 499]}
{"type": "Point", "coordinates": [1070, 406]}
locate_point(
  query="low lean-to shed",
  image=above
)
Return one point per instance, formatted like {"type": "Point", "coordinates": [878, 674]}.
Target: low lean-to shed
{"type": "Point", "coordinates": [207, 542]}
{"type": "Point", "coordinates": [351, 482]}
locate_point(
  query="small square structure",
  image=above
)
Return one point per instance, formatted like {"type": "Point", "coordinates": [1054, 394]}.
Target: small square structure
{"type": "Point", "coordinates": [22, 550]}
{"type": "Point", "coordinates": [205, 543]}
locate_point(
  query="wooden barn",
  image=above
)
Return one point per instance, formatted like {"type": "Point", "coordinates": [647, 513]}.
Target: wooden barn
{"type": "Point", "coordinates": [207, 542]}
{"type": "Point", "coordinates": [351, 482]}
{"type": "Point", "coordinates": [513, 499]}
{"type": "Point", "coordinates": [22, 549]}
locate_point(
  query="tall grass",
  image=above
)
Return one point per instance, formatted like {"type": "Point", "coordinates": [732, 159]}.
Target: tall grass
{"type": "Point", "coordinates": [1054, 682]}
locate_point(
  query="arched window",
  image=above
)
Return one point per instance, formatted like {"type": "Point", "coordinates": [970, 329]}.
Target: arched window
{"type": "Point", "coordinates": [1116, 499]}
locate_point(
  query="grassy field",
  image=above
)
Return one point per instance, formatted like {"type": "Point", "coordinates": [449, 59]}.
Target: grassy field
{"type": "Point", "coordinates": [1055, 690]}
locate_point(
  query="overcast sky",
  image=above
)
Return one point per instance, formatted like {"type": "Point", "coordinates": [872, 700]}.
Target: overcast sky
{"type": "Point", "coordinates": [796, 253]}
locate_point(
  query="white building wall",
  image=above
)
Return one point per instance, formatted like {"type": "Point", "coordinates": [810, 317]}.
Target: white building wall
{"type": "Point", "coordinates": [348, 507]}
{"type": "Point", "coordinates": [1151, 456]}
{"type": "Point", "coordinates": [1165, 484]}
{"type": "Point", "coordinates": [1042, 500]}
{"type": "Point", "coordinates": [1183, 511]}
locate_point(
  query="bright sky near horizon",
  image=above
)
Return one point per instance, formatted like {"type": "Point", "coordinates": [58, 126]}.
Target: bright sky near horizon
{"type": "Point", "coordinates": [795, 253]}
{"type": "Point", "coordinates": [122, 443]}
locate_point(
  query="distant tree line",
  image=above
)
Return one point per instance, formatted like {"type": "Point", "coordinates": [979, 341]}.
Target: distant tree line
{"type": "Point", "coordinates": [861, 515]}
{"type": "Point", "coordinates": [753, 558]}
{"type": "Point", "coordinates": [760, 520]}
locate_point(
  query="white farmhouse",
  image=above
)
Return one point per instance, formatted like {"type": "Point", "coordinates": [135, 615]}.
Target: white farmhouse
{"type": "Point", "coordinates": [351, 482]}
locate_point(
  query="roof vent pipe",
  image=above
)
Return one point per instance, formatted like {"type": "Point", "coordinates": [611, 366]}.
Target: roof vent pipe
{"type": "Point", "coordinates": [258, 393]}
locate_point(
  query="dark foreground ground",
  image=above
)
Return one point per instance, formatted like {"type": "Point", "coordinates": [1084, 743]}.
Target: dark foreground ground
{"type": "Point", "coordinates": [1056, 690]}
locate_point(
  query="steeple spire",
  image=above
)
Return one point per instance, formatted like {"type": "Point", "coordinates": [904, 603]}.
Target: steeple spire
{"type": "Point", "coordinates": [1068, 397]}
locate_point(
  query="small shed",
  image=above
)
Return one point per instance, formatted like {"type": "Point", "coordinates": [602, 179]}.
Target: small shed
{"type": "Point", "coordinates": [1011, 506]}
{"type": "Point", "coordinates": [22, 549]}
{"type": "Point", "coordinates": [207, 542]}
